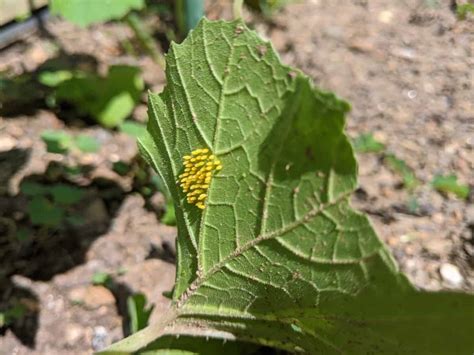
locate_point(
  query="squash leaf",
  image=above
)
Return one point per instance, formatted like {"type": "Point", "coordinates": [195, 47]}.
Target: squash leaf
{"type": "Point", "coordinates": [278, 257]}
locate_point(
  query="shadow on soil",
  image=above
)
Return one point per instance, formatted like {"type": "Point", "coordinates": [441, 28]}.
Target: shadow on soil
{"type": "Point", "coordinates": [41, 251]}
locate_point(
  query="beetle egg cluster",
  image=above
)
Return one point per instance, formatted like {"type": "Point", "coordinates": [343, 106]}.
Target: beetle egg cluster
{"type": "Point", "coordinates": [197, 175]}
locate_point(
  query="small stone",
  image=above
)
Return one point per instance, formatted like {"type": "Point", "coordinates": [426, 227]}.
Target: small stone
{"type": "Point", "coordinates": [92, 296]}
{"type": "Point", "coordinates": [100, 338]}
{"type": "Point", "coordinates": [450, 273]}
{"type": "Point", "coordinates": [73, 333]}
{"type": "Point", "coordinates": [385, 16]}
{"type": "Point", "coordinates": [7, 143]}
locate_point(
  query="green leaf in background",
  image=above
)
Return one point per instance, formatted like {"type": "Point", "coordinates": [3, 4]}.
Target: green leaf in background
{"type": "Point", "coordinates": [134, 129]}
{"type": "Point", "coordinates": [12, 314]}
{"type": "Point", "coordinates": [138, 311]}
{"type": "Point", "coordinates": [278, 256]}
{"type": "Point", "coordinates": [54, 78]}
{"type": "Point", "coordinates": [268, 7]}
{"type": "Point", "coordinates": [400, 167]}
{"type": "Point", "coordinates": [108, 100]}
{"type": "Point", "coordinates": [169, 217]}
{"type": "Point", "coordinates": [31, 188]}
{"type": "Point", "coordinates": [22, 234]}
{"type": "Point", "coordinates": [101, 278]}
{"type": "Point", "coordinates": [66, 194]}
{"type": "Point", "coordinates": [43, 213]}
{"type": "Point", "coordinates": [57, 141]}
{"type": "Point", "coordinates": [449, 184]}
{"type": "Point", "coordinates": [464, 9]}
{"type": "Point", "coordinates": [87, 144]}
{"type": "Point", "coordinates": [366, 143]}
{"type": "Point", "coordinates": [87, 12]}
{"type": "Point", "coordinates": [122, 168]}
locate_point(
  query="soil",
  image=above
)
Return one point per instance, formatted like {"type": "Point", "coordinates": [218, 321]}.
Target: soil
{"type": "Point", "coordinates": [406, 68]}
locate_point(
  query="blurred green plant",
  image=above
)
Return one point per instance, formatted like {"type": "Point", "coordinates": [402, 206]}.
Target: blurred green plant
{"type": "Point", "coordinates": [12, 314]}
{"type": "Point", "coordinates": [449, 184]}
{"type": "Point", "coordinates": [399, 166]}
{"type": "Point", "coordinates": [60, 142]}
{"type": "Point", "coordinates": [102, 278]}
{"type": "Point", "coordinates": [48, 205]}
{"type": "Point", "coordinates": [132, 128]}
{"type": "Point", "coordinates": [268, 7]}
{"type": "Point", "coordinates": [464, 10]}
{"type": "Point", "coordinates": [138, 312]}
{"type": "Point", "coordinates": [366, 143]}
{"type": "Point", "coordinates": [169, 216]}
{"type": "Point", "coordinates": [109, 101]}
{"type": "Point", "coordinates": [87, 12]}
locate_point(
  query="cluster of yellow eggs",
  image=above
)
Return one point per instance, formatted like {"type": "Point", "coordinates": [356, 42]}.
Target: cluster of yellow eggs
{"type": "Point", "coordinates": [197, 175]}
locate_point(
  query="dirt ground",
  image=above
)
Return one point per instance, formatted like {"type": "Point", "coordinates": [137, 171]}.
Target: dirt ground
{"type": "Point", "coordinates": [406, 67]}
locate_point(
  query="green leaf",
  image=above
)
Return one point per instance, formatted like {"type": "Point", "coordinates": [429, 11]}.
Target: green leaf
{"type": "Point", "coordinates": [366, 143]}
{"type": "Point", "coordinates": [190, 345]}
{"type": "Point", "coordinates": [31, 188]}
{"type": "Point", "coordinates": [138, 312]}
{"type": "Point", "coordinates": [87, 12]}
{"type": "Point", "coordinates": [400, 167]}
{"type": "Point", "coordinates": [122, 168]}
{"type": "Point", "coordinates": [464, 9]}
{"type": "Point", "coordinates": [169, 217]}
{"type": "Point", "coordinates": [66, 194]}
{"type": "Point", "coordinates": [134, 129]}
{"type": "Point", "coordinates": [43, 213]}
{"type": "Point", "coordinates": [22, 234]}
{"type": "Point", "coordinates": [108, 100]}
{"type": "Point", "coordinates": [54, 78]}
{"type": "Point", "coordinates": [10, 315]}
{"type": "Point", "coordinates": [449, 184]}
{"type": "Point", "coordinates": [57, 141]}
{"type": "Point", "coordinates": [101, 278]}
{"type": "Point", "coordinates": [278, 256]}
{"type": "Point", "coordinates": [87, 144]}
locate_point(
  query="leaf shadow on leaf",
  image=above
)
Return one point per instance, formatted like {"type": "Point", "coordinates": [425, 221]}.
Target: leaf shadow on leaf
{"type": "Point", "coordinates": [310, 134]}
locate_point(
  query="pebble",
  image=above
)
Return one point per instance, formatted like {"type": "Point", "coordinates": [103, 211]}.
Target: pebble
{"type": "Point", "coordinates": [385, 16]}
{"type": "Point", "coordinates": [99, 338]}
{"type": "Point", "coordinates": [7, 143]}
{"type": "Point", "coordinates": [92, 296]}
{"type": "Point", "coordinates": [73, 333]}
{"type": "Point", "coordinates": [451, 274]}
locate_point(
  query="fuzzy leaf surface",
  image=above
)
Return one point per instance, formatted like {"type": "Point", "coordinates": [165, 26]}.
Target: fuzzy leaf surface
{"type": "Point", "coordinates": [278, 257]}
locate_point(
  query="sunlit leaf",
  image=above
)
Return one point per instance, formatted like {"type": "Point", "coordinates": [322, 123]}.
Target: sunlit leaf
{"type": "Point", "coordinates": [87, 144]}
{"type": "Point", "coordinates": [138, 311]}
{"type": "Point", "coordinates": [87, 12]}
{"type": "Point", "coordinates": [450, 184]}
{"type": "Point", "coordinates": [278, 256]}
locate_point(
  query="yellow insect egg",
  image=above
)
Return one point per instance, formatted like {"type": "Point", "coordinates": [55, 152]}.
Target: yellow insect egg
{"type": "Point", "coordinates": [199, 167]}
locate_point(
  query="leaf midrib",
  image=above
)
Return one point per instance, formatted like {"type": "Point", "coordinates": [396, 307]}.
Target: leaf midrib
{"type": "Point", "coordinates": [194, 286]}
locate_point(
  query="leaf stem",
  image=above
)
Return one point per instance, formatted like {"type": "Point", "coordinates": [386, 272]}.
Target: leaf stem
{"type": "Point", "coordinates": [145, 38]}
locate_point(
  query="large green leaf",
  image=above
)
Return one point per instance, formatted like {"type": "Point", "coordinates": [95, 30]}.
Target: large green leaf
{"type": "Point", "coordinates": [108, 100]}
{"type": "Point", "coordinates": [278, 256]}
{"type": "Point", "coordinates": [87, 12]}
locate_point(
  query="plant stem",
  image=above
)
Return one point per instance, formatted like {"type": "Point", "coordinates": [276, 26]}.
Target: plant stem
{"type": "Point", "coordinates": [145, 38]}
{"type": "Point", "coordinates": [237, 9]}
{"type": "Point", "coordinates": [188, 13]}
